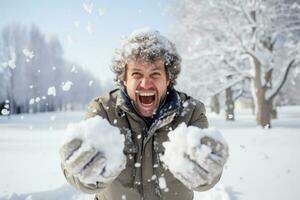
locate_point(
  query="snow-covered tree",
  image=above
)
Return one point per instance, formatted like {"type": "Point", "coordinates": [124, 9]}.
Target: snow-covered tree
{"type": "Point", "coordinates": [31, 64]}
{"type": "Point", "coordinates": [244, 39]}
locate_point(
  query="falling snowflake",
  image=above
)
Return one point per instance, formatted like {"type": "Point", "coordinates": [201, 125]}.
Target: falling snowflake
{"type": "Point", "coordinates": [162, 183]}
{"type": "Point", "coordinates": [74, 70]}
{"type": "Point", "coordinates": [31, 101]}
{"type": "Point", "coordinates": [12, 64]}
{"type": "Point", "coordinates": [52, 91]}
{"type": "Point", "coordinates": [67, 86]}
{"type": "Point", "coordinates": [89, 28]}
{"type": "Point", "coordinates": [29, 54]}
{"type": "Point", "coordinates": [88, 7]}
{"type": "Point", "coordinates": [123, 197]}
{"type": "Point", "coordinates": [137, 165]}
{"type": "Point", "coordinates": [4, 111]}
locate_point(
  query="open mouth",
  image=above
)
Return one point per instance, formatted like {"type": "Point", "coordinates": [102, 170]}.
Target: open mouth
{"type": "Point", "coordinates": [147, 102]}
{"type": "Point", "coordinates": [146, 98]}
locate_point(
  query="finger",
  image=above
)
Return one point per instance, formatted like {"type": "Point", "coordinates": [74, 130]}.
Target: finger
{"type": "Point", "coordinates": [80, 158]}
{"type": "Point", "coordinates": [198, 172]}
{"type": "Point", "coordinates": [216, 146]}
{"type": "Point", "coordinates": [193, 178]}
{"type": "Point", "coordinates": [205, 172]}
{"type": "Point", "coordinates": [94, 167]}
{"type": "Point", "coordinates": [220, 160]}
{"type": "Point", "coordinates": [68, 148]}
{"type": "Point", "coordinates": [212, 164]}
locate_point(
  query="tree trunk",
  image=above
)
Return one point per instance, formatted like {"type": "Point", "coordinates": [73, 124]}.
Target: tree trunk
{"type": "Point", "coordinates": [229, 103]}
{"type": "Point", "coordinates": [11, 93]}
{"type": "Point", "coordinates": [263, 115]}
{"type": "Point", "coordinates": [273, 110]}
{"type": "Point", "coordinates": [215, 104]}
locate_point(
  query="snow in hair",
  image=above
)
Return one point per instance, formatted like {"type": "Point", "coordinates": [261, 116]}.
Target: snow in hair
{"type": "Point", "coordinates": [146, 44]}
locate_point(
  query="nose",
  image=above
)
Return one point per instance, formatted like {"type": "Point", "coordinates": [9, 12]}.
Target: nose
{"type": "Point", "coordinates": [146, 83]}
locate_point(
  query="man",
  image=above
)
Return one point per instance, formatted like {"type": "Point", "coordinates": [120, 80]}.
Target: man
{"type": "Point", "coordinates": [145, 108]}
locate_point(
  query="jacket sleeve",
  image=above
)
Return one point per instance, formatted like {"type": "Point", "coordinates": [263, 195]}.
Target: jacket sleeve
{"type": "Point", "coordinates": [95, 108]}
{"type": "Point", "coordinates": [199, 119]}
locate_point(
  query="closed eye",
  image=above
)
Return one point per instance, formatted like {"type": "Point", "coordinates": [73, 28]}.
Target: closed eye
{"type": "Point", "coordinates": [136, 75]}
{"type": "Point", "coordinates": [155, 75]}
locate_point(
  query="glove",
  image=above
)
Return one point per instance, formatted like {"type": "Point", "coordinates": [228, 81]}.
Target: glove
{"type": "Point", "coordinates": [208, 159]}
{"type": "Point", "coordinates": [89, 157]}
{"type": "Point", "coordinates": [86, 163]}
{"type": "Point", "coordinates": [194, 156]}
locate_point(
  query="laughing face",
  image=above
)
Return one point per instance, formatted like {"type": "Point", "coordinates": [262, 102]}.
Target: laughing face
{"type": "Point", "coordinates": [146, 84]}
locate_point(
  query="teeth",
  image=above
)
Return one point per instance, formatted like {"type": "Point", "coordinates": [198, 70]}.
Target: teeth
{"type": "Point", "coordinates": [146, 94]}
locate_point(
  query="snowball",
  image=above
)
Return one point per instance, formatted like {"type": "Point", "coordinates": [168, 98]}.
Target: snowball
{"type": "Point", "coordinates": [97, 133]}
{"type": "Point", "coordinates": [184, 145]}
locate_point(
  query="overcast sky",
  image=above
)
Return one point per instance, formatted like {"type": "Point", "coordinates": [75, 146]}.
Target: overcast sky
{"type": "Point", "coordinates": [68, 19]}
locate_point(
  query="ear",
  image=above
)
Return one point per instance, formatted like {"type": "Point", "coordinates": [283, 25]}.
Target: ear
{"type": "Point", "coordinates": [125, 83]}
{"type": "Point", "coordinates": [168, 82]}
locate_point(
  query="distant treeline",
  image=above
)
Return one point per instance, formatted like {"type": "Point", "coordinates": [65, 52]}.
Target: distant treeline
{"type": "Point", "coordinates": [35, 77]}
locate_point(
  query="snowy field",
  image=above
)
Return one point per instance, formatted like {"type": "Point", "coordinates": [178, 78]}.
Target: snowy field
{"type": "Point", "coordinates": [263, 164]}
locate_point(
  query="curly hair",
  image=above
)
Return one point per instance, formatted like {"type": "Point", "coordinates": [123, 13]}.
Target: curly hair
{"type": "Point", "coordinates": [148, 45]}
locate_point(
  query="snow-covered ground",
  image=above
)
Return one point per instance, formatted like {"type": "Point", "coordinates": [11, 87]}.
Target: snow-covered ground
{"type": "Point", "coordinates": [263, 164]}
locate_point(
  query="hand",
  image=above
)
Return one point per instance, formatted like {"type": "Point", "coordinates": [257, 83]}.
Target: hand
{"type": "Point", "coordinates": [195, 156]}
{"type": "Point", "coordinates": [208, 159]}
{"type": "Point", "coordinates": [86, 163]}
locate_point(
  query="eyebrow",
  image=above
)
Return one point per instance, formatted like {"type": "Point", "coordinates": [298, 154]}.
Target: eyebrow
{"type": "Point", "coordinates": [135, 69]}
{"type": "Point", "coordinates": [152, 69]}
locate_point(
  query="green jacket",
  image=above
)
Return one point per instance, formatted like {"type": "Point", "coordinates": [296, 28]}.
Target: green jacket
{"type": "Point", "coordinates": [136, 183]}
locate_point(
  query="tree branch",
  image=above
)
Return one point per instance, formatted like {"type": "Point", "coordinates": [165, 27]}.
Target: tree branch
{"type": "Point", "coordinates": [284, 78]}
